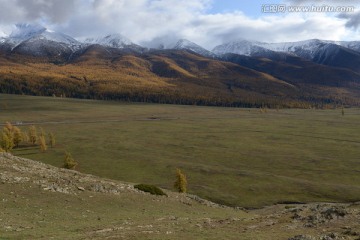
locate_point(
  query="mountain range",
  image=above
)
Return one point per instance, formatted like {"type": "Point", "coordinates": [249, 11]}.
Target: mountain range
{"type": "Point", "coordinates": [238, 73]}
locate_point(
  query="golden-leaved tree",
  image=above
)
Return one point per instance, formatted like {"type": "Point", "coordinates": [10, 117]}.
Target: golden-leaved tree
{"type": "Point", "coordinates": [181, 183]}
{"type": "Point", "coordinates": [69, 161]}
{"type": "Point", "coordinates": [32, 135]}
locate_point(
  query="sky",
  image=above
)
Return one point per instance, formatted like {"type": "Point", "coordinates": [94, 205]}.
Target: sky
{"type": "Point", "coordinates": [205, 22]}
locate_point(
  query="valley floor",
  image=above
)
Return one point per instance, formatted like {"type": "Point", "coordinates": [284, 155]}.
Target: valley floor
{"type": "Point", "coordinates": [237, 157]}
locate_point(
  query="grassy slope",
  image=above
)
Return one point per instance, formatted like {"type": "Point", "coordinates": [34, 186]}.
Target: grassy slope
{"type": "Point", "coordinates": [29, 210]}
{"type": "Point", "coordinates": [233, 156]}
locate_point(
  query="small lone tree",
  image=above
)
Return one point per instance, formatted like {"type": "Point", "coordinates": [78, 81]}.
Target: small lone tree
{"type": "Point", "coordinates": [42, 143]}
{"type": "Point", "coordinates": [32, 135]}
{"type": "Point", "coordinates": [52, 140]}
{"type": "Point", "coordinates": [69, 162]}
{"type": "Point", "coordinates": [181, 183]}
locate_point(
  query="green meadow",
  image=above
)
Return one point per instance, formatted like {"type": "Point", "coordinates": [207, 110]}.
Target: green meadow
{"type": "Point", "coordinates": [237, 157]}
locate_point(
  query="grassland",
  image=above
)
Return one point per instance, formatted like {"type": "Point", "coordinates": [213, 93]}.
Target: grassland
{"type": "Point", "coordinates": [233, 156]}
{"type": "Point", "coordinates": [39, 201]}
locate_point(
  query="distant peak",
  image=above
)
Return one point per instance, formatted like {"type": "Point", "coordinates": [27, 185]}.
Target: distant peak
{"type": "Point", "coordinates": [184, 43]}
{"type": "Point", "coordinates": [111, 40]}
{"type": "Point", "coordinates": [183, 40]}
{"type": "Point", "coordinates": [27, 30]}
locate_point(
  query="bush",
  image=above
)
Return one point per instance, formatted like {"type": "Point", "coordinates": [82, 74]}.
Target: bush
{"type": "Point", "coordinates": [154, 190]}
{"type": "Point", "coordinates": [181, 183]}
{"type": "Point", "coordinates": [69, 162]}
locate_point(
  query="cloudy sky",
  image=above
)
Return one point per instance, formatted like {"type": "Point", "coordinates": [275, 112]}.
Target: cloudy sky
{"type": "Point", "coordinates": [206, 22]}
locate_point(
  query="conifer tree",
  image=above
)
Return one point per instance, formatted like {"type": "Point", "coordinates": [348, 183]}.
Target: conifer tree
{"type": "Point", "coordinates": [6, 141]}
{"type": "Point", "coordinates": [69, 162]}
{"type": "Point", "coordinates": [42, 132]}
{"type": "Point", "coordinates": [42, 144]}
{"type": "Point", "coordinates": [25, 137]}
{"type": "Point", "coordinates": [32, 135]}
{"type": "Point", "coordinates": [181, 183]}
{"type": "Point", "coordinates": [52, 140]}
{"type": "Point", "coordinates": [8, 126]}
{"type": "Point", "coordinates": [17, 136]}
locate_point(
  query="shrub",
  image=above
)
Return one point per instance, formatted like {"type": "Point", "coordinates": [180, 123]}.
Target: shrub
{"type": "Point", "coordinates": [181, 183]}
{"type": "Point", "coordinates": [150, 189]}
{"type": "Point", "coordinates": [69, 162]}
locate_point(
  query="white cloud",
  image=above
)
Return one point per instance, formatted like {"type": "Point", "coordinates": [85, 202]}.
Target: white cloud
{"type": "Point", "coordinates": [154, 21]}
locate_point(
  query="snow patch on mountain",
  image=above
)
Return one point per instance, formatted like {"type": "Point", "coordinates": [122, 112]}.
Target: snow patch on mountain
{"type": "Point", "coordinates": [308, 49]}
{"type": "Point", "coordinates": [28, 32]}
{"type": "Point", "coordinates": [23, 32]}
{"type": "Point", "coordinates": [353, 45]}
{"type": "Point", "coordinates": [242, 47]}
{"type": "Point", "coordinates": [184, 44]}
{"type": "Point", "coordinates": [111, 40]}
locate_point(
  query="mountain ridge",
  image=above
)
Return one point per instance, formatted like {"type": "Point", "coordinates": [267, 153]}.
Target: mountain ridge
{"type": "Point", "coordinates": [309, 73]}
{"type": "Point", "coordinates": [306, 49]}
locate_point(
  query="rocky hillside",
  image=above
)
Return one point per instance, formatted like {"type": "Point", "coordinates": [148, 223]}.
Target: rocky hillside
{"type": "Point", "coordinates": [39, 201]}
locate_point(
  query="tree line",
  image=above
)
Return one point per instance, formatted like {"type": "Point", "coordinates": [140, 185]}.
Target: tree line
{"type": "Point", "coordinates": [12, 137]}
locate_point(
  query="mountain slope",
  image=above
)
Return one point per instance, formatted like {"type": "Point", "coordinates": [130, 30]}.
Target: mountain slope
{"type": "Point", "coordinates": [295, 70]}
{"type": "Point", "coordinates": [37, 41]}
{"type": "Point", "coordinates": [323, 52]}
{"type": "Point", "coordinates": [112, 67]}
{"type": "Point", "coordinates": [184, 44]}
{"type": "Point", "coordinates": [177, 76]}
{"type": "Point", "coordinates": [114, 41]}
{"type": "Point", "coordinates": [242, 47]}
{"type": "Point", "coordinates": [170, 76]}
{"type": "Point", "coordinates": [28, 32]}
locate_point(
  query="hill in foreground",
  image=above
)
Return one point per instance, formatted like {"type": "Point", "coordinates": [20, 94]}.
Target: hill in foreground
{"type": "Point", "coordinates": [44, 202]}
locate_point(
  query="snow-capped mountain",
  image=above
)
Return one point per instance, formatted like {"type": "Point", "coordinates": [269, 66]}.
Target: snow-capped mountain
{"type": "Point", "coordinates": [353, 45]}
{"type": "Point", "coordinates": [331, 53]}
{"type": "Point", "coordinates": [37, 40]}
{"type": "Point", "coordinates": [117, 41]}
{"type": "Point", "coordinates": [111, 40]}
{"type": "Point", "coordinates": [242, 47]}
{"type": "Point", "coordinates": [28, 32]}
{"type": "Point", "coordinates": [308, 49]}
{"type": "Point", "coordinates": [184, 44]}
